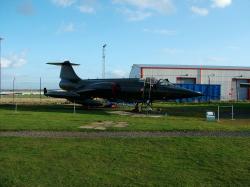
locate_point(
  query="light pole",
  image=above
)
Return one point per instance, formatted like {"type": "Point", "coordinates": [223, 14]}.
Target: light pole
{"type": "Point", "coordinates": [0, 68]}
{"type": "Point", "coordinates": [103, 60]}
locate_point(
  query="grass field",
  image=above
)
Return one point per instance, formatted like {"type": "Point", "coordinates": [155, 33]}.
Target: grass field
{"type": "Point", "coordinates": [125, 162]}
{"type": "Point", "coordinates": [61, 117]}
{"type": "Point", "coordinates": [179, 161]}
{"type": "Point", "coordinates": [31, 99]}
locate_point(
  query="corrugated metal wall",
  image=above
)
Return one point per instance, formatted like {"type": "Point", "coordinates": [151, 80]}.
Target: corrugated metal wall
{"type": "Point", "coordinates": [211, 92]}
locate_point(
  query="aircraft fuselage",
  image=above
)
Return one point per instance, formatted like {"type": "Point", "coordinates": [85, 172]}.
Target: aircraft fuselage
{"type": "Point", "coordinates": [136, 90]}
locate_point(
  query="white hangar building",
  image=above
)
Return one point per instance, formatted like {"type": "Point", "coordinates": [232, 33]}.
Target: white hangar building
{"type": "Point", "coordinates": [229, 77]}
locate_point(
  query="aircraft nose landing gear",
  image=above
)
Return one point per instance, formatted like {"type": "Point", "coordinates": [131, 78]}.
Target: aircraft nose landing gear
{"type": "Point", "coordinates": [144, 106]}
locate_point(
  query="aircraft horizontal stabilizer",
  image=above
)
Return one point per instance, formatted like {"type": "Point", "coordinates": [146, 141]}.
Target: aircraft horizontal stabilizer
{"type": "Point", "coordinates": [60, 94]}
{"type": "Point", "coordinates": [63, 63]}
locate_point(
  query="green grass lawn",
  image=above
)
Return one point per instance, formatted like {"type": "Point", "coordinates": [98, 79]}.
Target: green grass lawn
{"type": "Point", "coordinates": [125, 162]}
{"type": "Point", "coordinates": [61, 117]}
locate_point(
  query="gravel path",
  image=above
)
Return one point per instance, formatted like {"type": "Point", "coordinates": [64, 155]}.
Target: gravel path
{"type": "Point", "coordinates": [61, 134]}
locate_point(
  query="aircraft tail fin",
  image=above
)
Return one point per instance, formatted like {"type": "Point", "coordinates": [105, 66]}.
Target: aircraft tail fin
{"type": "Point", "coordinates": [67, 71]}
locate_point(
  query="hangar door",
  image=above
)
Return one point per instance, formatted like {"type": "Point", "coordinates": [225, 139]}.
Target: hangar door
{"type": "Point", "coordinates": [242, 93]}
{"type": "Point", "coordinates": [186, 80]}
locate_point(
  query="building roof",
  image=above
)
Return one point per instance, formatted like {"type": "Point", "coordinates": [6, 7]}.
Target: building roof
{"type": "Point", "coordinates": [192, 66]}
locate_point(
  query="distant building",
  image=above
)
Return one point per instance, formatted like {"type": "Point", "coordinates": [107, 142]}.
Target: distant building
{"type": "Point", "coordinates": [229, 77]}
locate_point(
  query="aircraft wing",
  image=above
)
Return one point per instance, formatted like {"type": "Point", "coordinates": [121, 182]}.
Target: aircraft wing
{"type": "Point", "coordinates": [97, 86]}
{"type": "Point", "coordinates": [60, 94]}
{"type": "Point", "coordinates": [245, 85]}
{"type": "Point", "coordinates": [73, 97]}
{"type": "Point", "coordinates": [84, 90]}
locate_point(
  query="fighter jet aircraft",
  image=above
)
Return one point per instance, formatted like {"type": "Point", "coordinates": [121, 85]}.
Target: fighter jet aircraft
{"type": "Point", "coordinates": [133, 90]}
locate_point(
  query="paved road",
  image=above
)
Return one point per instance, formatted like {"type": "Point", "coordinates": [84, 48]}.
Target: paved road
{"type": "Point", "coordinates": [61, 134]}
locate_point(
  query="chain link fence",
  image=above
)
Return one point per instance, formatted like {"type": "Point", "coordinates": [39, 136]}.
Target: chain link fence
{"type": "Point", "coordinates": [20, 90]}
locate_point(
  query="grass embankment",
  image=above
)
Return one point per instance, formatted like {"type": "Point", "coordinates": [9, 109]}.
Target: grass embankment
{"type": "Point", "coordinates": [125, 162]}
{"type": "Point", "coordinates": [61, 117]}
{"type": "Point", "coordinates": [31, 100]}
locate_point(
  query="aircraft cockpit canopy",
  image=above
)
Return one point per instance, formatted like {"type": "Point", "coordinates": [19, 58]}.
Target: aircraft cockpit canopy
{"type": "Point", "coordinates": [160, 82]}
{"type": "Point", "coordinates": [164, 82]}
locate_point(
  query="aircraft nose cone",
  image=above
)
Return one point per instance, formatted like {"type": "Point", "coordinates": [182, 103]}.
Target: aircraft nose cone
{"type": "Point", "coordinates": [199, 94]}
{"type": "Point", "coordinates": [186, 93]}
{"type": "Point", "coordinates": [191, 93]}
{"type": "Point", "coordinates": [178, 93]}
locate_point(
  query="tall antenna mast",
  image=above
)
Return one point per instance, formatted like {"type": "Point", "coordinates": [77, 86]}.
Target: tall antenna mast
{"type": "Point", "coordinates": [103, 60]}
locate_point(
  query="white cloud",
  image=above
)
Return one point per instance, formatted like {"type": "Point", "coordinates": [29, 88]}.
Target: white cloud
{"type": "Point", "coordinates": [161, 6]}
{"type": "Point", "coordinates": [66, 27]}
{"type": "Point", "coordinates": [199, 11]}
{"type": "Point", "coordinates": [86, 9]}
{"type": "Point", "coordinates": [88, 6]}
{"type": "Point", "coordinates": [14, 60]}
{"type": "Point", "coordinates": [221, 3]}
{"type": "Point", "coordinates": [134, 10]}
{"type": "Point", "coordinates": [64, 3]}
{"type": "Point", "coordinates": [117, 74]}
{"type": "Point", "coordinates": [135, 15]}
{"type": "Point", "coordinates": [84, 6]}
{"type": "Point", "coordinates": [161, 31]}
{"type": "Point", "coordinates": [137, 10]}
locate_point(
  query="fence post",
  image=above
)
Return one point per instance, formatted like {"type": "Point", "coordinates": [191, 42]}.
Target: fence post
{"type": "Point", "coordinates": [232, 112]}
{"type": "Point", "coordinates": [218, 117]}
{"type": "Point", "coordinates": [40, 89]}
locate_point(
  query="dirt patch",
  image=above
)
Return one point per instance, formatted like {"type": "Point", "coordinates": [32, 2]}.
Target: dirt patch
{"type": "Point", "coordinates": [124, 113]}
{"type": "Point", "coordinates": [121, 124]}
{"type": "Point", "coordinates": [103, 125]}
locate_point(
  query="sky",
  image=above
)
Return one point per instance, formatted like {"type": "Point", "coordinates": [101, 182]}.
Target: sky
{"type": "Point", "coordinates": [188, 32]}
